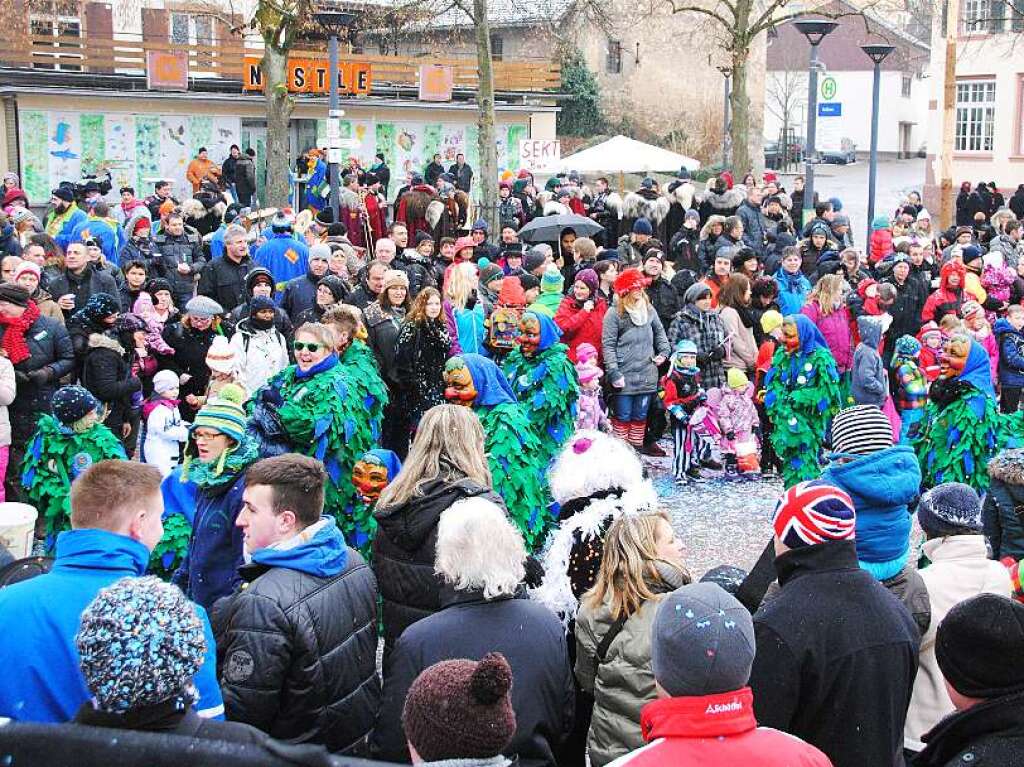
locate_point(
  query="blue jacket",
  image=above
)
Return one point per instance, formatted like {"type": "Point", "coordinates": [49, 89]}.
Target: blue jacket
{"type": "Point", "coordinates": [65, 236]}
{"type": "Point", "coordinates": [210, 568]}
{"type": "Point", "coordinates": [217, 242]}
{"type": "Point", "coordinates": [110, 237]}
{"type": "Point", "coordinates": [882, 486]}
{"type": "Point", "coordinates": [793, 290]}
{"type": "Point", "coordinates": [1011, 353]}
{"type": "Point", "coordinates": [179, 497]}
{"type": "Point", "coordinates": [285, 257]}
{"type": "Point", "coordinates": [869, 384]}
{"type": "Point", "coordinates": [39, 619]}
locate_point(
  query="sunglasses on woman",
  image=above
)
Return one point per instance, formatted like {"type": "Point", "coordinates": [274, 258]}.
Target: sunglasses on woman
{"type": "Point", "coordinates": [299, 346]}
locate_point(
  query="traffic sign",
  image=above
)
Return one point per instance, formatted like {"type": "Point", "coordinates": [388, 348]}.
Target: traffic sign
{"type": "Point", "coordinates": [830, 109]}
{"type": "Point", "coordinates": [829, 88]}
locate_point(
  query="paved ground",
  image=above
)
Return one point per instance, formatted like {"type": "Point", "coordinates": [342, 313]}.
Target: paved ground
{"type": "Point", "coordinates": [850, 184]}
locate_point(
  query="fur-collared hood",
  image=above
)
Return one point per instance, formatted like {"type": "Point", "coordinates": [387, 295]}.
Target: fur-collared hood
{"type": "Point", "coordinates": [193, 209]}
{"type": "Point", "coordinates": [103, 341]}
{"type": "Point", "coordinates": [1008, 467]}
{"type": "Point", "coordinates": [681, 192]}
{"type": "Point", "coordinates": [726, 201]}
{"type": "Point", "coordinates": [552, 208]}
{"type": "Point", "coordinates": [640, 204]}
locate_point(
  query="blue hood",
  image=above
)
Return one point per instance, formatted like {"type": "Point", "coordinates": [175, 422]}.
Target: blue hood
{"type": "Point", "coordinates": [870, 329]}
{"type": "Point", "coordinates": [492, 388]}
{"type": "Point", "coordinates": [101, 550]}
{"type": "Point", "coordinates": [882, 486]}
{"type": "Point", "coordinates": [810, 337]}
{"type": "Point", "coordinates": [324, 555]}
{"type": "Point", "coordinates": [977, 370]}
{"type": "Point", "coordinates": [549, 331]}
{"type": "Point", "coordinates": [1003, 326]}
{"type": "Point", "coordinates": [390, 460]}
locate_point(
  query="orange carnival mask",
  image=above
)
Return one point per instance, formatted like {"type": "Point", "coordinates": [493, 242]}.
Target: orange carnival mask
{"type": "Point", "coordinates": [529, 334]}
{"type": "Point", "coordinates": [954, 355]}
{"type": "Point", "coordinates": [459, 388]}
{"type": "Point", "coordinates": [790, 338]}
{"type": "Point", "coordinates": [370, 476]}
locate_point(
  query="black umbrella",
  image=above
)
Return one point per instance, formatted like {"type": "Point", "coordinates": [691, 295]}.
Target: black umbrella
{"type": "Point", "coordinates": [549, 228]}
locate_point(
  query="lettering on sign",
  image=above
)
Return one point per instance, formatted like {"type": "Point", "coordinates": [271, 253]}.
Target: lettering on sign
{"type": "Point", "coordinates": [539, 155]}
{"type": "Point", "coordinates": [312, 76]}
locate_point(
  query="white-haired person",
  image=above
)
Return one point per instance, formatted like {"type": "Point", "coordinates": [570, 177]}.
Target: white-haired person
{"type": "Point", "coordinates": [480, 559]}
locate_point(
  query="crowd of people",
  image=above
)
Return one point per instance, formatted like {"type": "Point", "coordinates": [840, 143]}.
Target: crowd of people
{"type": "Point", "coordinates": [373, 486]}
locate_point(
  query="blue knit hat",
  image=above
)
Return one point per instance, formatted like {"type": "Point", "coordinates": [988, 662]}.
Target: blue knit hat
{"type": "Point", "coordinates": [552, 281]}
{"type": "Point", "coordinates": [224, 413]}
{"type": "Point", "coordinates": [642, 226]}
{"type": "Point", "coordinates": [140, 643]}
{"type": "Point", "coordinates": [951, 508]}
{"type": "Point", "coordinates": [907, 346]}
{"type": "Point", "coordinates": [71, 403]}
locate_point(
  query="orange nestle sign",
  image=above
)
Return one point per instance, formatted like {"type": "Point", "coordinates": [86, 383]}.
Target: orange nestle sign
{"type": "Point", "coordinates": [311, 76]}
{"type": "Point", "coordinates": [166, 71]}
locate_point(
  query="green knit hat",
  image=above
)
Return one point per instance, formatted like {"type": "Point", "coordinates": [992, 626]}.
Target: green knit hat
{"type": "Point", "coordinates": [224, 413]}
{"type": "Point", "coordinates": [552, 281]}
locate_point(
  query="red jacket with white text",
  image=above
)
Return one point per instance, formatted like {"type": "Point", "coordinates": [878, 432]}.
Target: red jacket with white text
{"type": "Point", "coordinates": [717, 730]}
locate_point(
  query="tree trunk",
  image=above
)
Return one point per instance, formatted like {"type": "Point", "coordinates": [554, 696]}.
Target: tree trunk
{"type": "Point", "coordinates": [487, 173]}
{"type": "Point", "coordinates": [739, 104]}
{"type": "Point", "coordinates": [279, 107]}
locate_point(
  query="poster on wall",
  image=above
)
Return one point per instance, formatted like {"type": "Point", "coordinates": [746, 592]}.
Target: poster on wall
{"type": "Point", "coordinates": [60, 146]}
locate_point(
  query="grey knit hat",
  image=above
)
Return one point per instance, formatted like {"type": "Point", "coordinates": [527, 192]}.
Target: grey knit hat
{"type": "Point", "coordinates": [696, 292]}
{"type": "Point", "coordinates": [861, 430]}
{"type": "Point", "coordinates": [203, 306]}
{"type": "Point", "coordinates": [702, 642]}
{"type": "Point", "coordinates": [140, 643]}
{"type": "Point", "coordinates": [951, 508]}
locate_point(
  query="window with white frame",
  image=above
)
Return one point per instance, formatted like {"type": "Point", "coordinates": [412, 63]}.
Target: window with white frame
{"type": "Point", "coordinates": [906, 83]}
{"type": "Point", "coordinates": [56, 41]}
{"type": "Point", "coordinates": [975, 16]}
{"type": "Point", "coordinates": [975, 116]}
{"type": "Point", "coordinates": [192, 29]}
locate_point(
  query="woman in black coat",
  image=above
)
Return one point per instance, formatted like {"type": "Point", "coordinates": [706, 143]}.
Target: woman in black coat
{"type": "Point", "coordinates": [191, 338]}
{"type": "Point", "coordinates": [445, 465]}
{"type": "Point", "coordinates": [383, 318]}
{"type": "Point", "coordinates": [107, 373]}
{"type": "Point", "coordinates": [422, 349]}
{"type": "Point", "coordinates": [964, 215]}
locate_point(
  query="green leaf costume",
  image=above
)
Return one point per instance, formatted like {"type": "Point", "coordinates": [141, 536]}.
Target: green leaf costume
{"type": "Point", "coordinates": [334, 415]}
{"type": "Point", "coordinates": [170, 552]}
{"type": "Point", "coordinates": [547, 386]}
{"type": "Point", "coordinates": [56, 455]}
{"type": "Point", "coordinates": [802, 395]}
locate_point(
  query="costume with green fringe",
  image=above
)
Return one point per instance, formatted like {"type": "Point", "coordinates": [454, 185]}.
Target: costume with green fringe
{"type": "Point", "coordinates": [961, 429]}
{"type": "Point", "coordinates": [332, 413]}
{"type": "Point", "coordinates": [55, 456]}
{"type": "Point", "coordinates": [547, 386]}
{"type": "Point", "coordinates": [171, 549]}
{"type": "Point", "coordinates": [802, 395]}
{"type": "Point", "coordinates": [514, 453]}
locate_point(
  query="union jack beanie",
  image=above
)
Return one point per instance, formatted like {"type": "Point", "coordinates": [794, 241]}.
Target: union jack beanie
{"type": "Point", "coordinates": [814, 512]}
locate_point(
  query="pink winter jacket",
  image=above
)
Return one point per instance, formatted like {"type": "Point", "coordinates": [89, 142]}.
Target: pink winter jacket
{"type": "Point", "coordinates": [836, 328]}
{"type": "Point", "coordinates": [736, 413]}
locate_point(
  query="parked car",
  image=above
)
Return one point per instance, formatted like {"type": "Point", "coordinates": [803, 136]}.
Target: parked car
{"type": "Point", "coordinates": [843, 155]}
{"type": "Point", "coordinates": [773, 151]}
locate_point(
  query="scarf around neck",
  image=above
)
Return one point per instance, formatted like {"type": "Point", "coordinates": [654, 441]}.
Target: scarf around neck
{"type": "Point", "coordinates": [14, 343]}
{"type": "Point", "coordinates": [639, 314]}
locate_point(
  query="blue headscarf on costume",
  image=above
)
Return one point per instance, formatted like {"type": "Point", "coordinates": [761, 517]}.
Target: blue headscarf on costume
{"type": "Point", "coordinates": [809, 335]}
{"type": "Point", "coordinates": [492, 388]}
{"type": "Point", "coordinates": [549, 331]}
{"type": "Point", "coordinates": [977, 370]}
{"type": "Point", "coordinates": [390, 460]}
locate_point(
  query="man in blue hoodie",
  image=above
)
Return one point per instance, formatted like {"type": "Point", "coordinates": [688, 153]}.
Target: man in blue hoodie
{"type": "Point", "coordinates": [283, 254]}
{"type": "Point", "coordinates": [115, 518]}
{"type": "Point", "coordinates": [297, 642]}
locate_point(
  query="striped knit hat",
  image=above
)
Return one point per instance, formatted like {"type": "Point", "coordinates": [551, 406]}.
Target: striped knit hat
{"type": "Point", "coordinates": [861, 430]}
{"type": "Point", "coordinates": [224, 413]}
{"type": "Point", "coordinates": [814, 512]}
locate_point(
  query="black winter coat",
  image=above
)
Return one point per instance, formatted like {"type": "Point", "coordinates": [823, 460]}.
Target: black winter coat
{"type": "Point", "coordinates": [1004, 505]}
{"type": "Point", "coordinates": [990, 734]}
{"type": "Point", "coordinates": [299, 296]}
{"type": "Point", "coordinates": [49, 346]}
{"type": "Point", "coordinates": [223, 280]}
{"type": "Point", "coordinates": [530, 637]}
{"type": "Point", "coordinates": [421, 352]}
{"type": "Point", "coordinates": [297, 653]}
{"type": "Point", "coordinates": [382, 337]}
{"type": "Point", "coordinates": [666, 300]}
{"type": "Point", "coordinates": [361, 297]}
{"type": "Point", "coordinates": [906, 309]}
{"type": "Point", "coordinates": [419, 270]}
{"type": "Point", "coordinates": [403, 553]}
{"type": "Point", "coordinates": [107, 373]}
{"type": "Point", "coordinates": [836, 658]}
{"type": "Point", "coordinates": [168, 252]}
{"type": "Point", "coordinates": [190, 347]}
{"type": "Point", "coordinates": [166, 717]}
{"type": "Point", "coordinates": [88, 283]}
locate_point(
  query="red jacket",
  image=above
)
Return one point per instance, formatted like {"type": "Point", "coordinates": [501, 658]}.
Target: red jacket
{"type": "Point", "coordinates": [880, 245]}
{"type": "Point", "coordinates": [718, 730]}
{"type": "Point", "coordinates": [579, 327]}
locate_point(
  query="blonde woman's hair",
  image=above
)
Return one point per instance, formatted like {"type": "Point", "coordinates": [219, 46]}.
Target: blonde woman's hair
{"type": "Point", "coordinates": [321, 332]}
{"type": "Point", "coordinates": [449, 445]}
{"type": "Point", "coordinates": [623, 303]}
{"type": "Point", "coordinates": [479, 549]}
{"type": "Point", "coordinates": [461, 282]}
{"type": "Point", "coordinates": [629, 564]}
{"type": "Point", "coordinates": [828, 289]}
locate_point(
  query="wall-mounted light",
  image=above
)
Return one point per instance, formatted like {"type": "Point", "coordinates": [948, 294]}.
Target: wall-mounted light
{"type": "Point", "coordinates": [637, 62]}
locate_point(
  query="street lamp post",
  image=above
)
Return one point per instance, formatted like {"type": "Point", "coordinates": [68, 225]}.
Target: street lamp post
{"type": "Point", "coordinates": [877, 53]}
{"type": "Point", "coordinates": [335, 23]}
{"type": "Point", "coordinates": [726, 73]}
{"type": "Point", "coordinates": [815, 31]}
